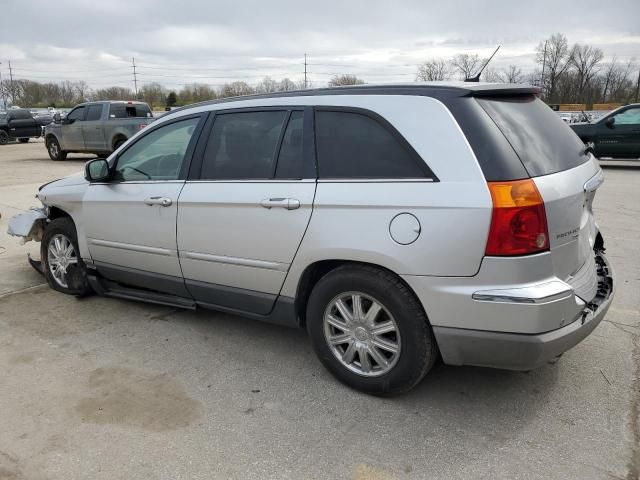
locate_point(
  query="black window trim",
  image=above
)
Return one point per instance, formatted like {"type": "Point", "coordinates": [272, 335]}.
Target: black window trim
{"type": "Point", "coordinates": [309, 167]}
{"type": "Point", "coordinates": [188, 155]}
{"type": "Point", "coordinates": [84, 111]}
{"type": "Point", "coordinates": [429, 175]}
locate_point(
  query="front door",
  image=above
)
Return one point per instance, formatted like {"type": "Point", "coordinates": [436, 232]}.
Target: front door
{"type": "Point", "coordinates": [22, 124]}
{"type": "Point", "coordinates": [93, 129]}
{"type": "Point", "coordinates": [621, 138]}
{"type": "Point", "coordinates": [130, 221]}
{"type": "Point", "coordinates": [71, 129]}
{"type": "Point", "coordinates": [240, 222]}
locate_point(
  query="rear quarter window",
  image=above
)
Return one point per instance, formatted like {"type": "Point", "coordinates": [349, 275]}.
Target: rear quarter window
{"type": "Point", "coordinates": [543, 142]}
{"type": "Point", "coordinates": [125, 110]}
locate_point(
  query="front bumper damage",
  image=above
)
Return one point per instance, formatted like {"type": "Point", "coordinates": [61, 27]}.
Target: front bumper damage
{"type": "Point", "coordinates": [29, 226]}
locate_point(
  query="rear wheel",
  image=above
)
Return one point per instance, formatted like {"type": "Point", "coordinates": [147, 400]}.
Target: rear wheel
{"type": "Point", "coordinates": [118, 143]}
{"type": "Point", "coordinates": [62, 265]}
{"type": "Point", "coordinates": [23, 140]}
{"type": "Point", "coordinates": [55, 152]}
{"type": "Point", "coordinates": [369, 330]}
{"type": "Point", "coordinates": [4, 137]}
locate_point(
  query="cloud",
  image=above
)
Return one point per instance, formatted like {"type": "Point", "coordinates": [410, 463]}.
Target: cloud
{"type": "Point", "coordinates": [213, 42]}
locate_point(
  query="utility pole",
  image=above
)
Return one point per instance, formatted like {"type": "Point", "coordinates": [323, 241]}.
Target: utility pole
{"type": "Point", "coordinates": [305, 70]}
{"type": "Point", "coordinates": [135, 76]}
{"type": "Point", "coordinates": [638, 86]}
{"type": "Point", "coordinates": [13, 92]}
{"type": "Point", "coordinates": [4, 100]}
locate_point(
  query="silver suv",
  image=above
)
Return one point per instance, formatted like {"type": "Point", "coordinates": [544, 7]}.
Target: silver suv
{"type": "Point", "coordinates": [396, 224]}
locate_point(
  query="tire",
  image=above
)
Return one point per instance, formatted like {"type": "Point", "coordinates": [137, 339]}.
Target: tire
{"type": "Point", "coordinates": [4, 137]}
{"type": "Point", "coordinates": [118, 143]}
{"type": "Point", "coordinates": [72, 271]}
{"type": "Point", "coordinates": [416, 349]}
{"type": "Point", "coordinates": [23, 140]}
{"type": "Point", "coordinates": [55, 153]}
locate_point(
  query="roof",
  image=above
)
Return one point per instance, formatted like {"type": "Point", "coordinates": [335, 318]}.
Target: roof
{"type": "Point", "coordinates": [428, 89]}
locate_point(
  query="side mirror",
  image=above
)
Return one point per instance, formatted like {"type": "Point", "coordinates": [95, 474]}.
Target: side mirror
{"type": "Point", "coordinates": [97, 170]}
{"type": "Point", "coordinates": [56, 118]}
{"type": "Point", "coordinates": [609, 122]}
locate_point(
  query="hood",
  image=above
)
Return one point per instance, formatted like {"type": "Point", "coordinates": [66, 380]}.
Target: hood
{"type": "Point", "coordinates": [75, 179]}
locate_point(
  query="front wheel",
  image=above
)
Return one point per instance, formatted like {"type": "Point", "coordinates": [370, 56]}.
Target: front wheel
{"type": "Point", "coordinates": [55, 152]}
{"type": "Point", "coordinates": [4, 137]}
{"type": "Point", "coordinates": [369, 330]}
{"type": "Point", "coordinates": [62, 265]}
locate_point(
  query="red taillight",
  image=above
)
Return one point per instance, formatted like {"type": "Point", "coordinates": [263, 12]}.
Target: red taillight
{"type": "Point", "coordinates": [518, 222]}
{"type": "Point", "coordinates": [142, 125]}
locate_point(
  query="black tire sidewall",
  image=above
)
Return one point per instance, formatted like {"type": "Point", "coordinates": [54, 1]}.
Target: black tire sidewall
{"type": "Point", "coordinates": [418, 350]}
{"type": "Point", "coordinates": [61, 155]}
{"type": "Point", "coordinates": [4, 137]}
{"type": "Point", "coordinates": [65, 227]}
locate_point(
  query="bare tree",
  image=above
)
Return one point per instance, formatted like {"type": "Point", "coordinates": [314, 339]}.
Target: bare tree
{"type": "Point", "coordinates": [286, 85]}
{"type": "Point", "coordinates": [434, 70]}
{"type": "Point", "coordinates": [267, 85]}
{"type": "Point", "coordinates": [585, 60]}
{"type": "Point", "coordinates": [466, 65]}
{"type": "Point", "coordinates": [153, 94]}
{"type": "Point", "coordinates": [82, 90]}
{"type": "Point", "coordinates": [555, 56]}
{"type": "Point", "coordinates": [491, 75]}
{"type": "Point", "coordinates": [511, 74]}
{"type": "Point", "coordinates": [235, 89]}
{"type": "Point", "coordinates": [347, 79]}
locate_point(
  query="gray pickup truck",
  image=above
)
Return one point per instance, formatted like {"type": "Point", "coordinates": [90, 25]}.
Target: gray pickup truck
{"type": "Point", "coordinates": [95, 127]}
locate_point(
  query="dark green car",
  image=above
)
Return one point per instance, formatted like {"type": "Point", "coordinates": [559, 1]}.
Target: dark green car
{"type": "Point", "coordinates": [616, 135]}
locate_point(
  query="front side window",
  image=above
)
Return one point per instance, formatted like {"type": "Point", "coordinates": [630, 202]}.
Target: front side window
{"type": "Point", "coordinates": [76, 114]}
{"type": "Point", "coordinates": [157, 155]}
{"type": "Point", "coordinates": [354, 145]}
{"type": "Point", "coordinates": [630, 116]}
{"type": "Point", "coordinates": [94, 112]}
{"type": "Point", "coordinates": [242, 146]}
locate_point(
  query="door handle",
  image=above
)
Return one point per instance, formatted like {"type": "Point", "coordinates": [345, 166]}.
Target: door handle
{"type": "Point", "coordinates": [288, 203]}
{"type": "Point", "coordinates": [162, 201]}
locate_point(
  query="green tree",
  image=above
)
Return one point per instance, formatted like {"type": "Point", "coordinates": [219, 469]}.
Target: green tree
{"type": "Point", "coordinates": [172, 99]}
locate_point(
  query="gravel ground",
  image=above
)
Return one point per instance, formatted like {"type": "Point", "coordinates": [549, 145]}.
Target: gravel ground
{"type": "Point", "coordinates": [107, 389]}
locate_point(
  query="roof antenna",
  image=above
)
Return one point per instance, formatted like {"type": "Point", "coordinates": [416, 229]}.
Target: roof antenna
{"type": "Point", "coordinates": [477, 77]}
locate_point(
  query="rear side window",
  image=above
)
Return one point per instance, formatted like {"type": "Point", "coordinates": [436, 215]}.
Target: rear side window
{"type": "Point", "coordinates": [355, 145]}
{"type": "Point", "coordinates": [129, 110]}
{"type": "Point", "coordinates": [94, 112]}
{"type": "Point", "coordinates": [20, 114]}
{"type": "Point", "coordinates": [243, 145]}
{"type": "Point", "coordinates": [543, 142]}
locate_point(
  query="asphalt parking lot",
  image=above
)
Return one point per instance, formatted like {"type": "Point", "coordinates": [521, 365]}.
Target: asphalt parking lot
{"type": "Point", "coordinates": [107, 389]}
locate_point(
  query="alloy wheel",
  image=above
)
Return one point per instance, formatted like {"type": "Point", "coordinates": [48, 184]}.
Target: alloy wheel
{"type": "Point", "coordinates": [60, 255]}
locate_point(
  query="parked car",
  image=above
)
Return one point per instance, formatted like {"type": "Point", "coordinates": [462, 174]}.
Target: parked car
{"type": "Point", "coordinates": [616, 135]}
{"type": "Point", "coordinates": [394, 223]}
{"type": "Point", "coordinates": [19, 124]}
{"type": "Point", "coordinates": [95, 127]}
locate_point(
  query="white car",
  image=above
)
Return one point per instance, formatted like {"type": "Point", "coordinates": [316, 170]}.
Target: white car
{"type": "Point", "coordinates": [394, 223]}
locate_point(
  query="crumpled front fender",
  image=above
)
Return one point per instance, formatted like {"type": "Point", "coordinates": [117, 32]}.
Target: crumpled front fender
{"type": "Point", "coordinates": [28, 225]}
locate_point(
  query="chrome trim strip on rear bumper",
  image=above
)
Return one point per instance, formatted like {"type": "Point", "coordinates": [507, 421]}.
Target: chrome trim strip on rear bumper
{"type": "Point", "coordinates": [244, 262]}
{"type": "Point", "coordinates": [540, 293]}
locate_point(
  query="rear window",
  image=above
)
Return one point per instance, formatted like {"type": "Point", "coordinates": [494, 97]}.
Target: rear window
{"type": "Point", "coordinates": [542, 141]}
{"type": "Point", "coordinates": [127, 110]}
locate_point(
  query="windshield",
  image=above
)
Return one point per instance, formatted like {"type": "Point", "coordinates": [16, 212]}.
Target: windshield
{"type": "Point", "coordinates": [543, 142]}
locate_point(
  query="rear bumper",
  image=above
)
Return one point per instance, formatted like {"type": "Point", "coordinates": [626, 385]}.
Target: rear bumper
{"type": "Point", "coordinates": [525, 351]}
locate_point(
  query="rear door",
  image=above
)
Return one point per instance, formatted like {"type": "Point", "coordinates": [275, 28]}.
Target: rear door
{"type": "Point", "coordinates": [565, 175]}
{"type": "Point", "coordinates": [71, 129]}
{"type": "Point", "coordinates": [243, 214]}
{"type": "Point", "coordinates": [93, 128]}
{"type": "Point", "coordinates": [22, 124]}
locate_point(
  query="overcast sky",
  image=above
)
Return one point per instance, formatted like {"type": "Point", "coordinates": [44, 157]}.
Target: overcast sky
{"type": "Point", "coordinates": [213, 42]}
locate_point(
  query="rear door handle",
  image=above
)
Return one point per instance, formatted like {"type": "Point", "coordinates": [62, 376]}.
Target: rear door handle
{"type": "Point", "coordinates": [162, 201]}
{"type": "Point", "coordinates": [288, 203]}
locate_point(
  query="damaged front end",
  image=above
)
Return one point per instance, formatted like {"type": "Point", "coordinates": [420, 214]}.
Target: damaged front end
{"type": "Point", "coordinates": [29, 226]}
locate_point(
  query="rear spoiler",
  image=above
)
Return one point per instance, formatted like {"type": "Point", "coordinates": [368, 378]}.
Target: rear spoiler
{"type": "Point", "coordinates": [502, 89]}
